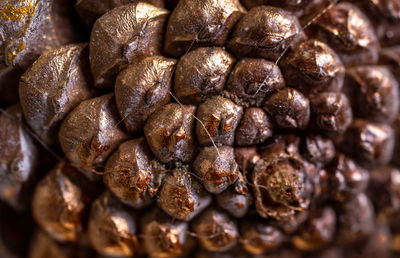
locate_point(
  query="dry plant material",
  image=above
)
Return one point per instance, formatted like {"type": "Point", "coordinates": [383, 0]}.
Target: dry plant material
{"type": "Point", "coordinates": [170, 133]}
{"type": "Point", "coordinates": [374, 92]}
{"type": "Point", "coordinates": [164, 238]}
{"type": "Point", "coordinates": [201, 74]}
{"type": "Point", "coordinates": [182, 196]}
{"type": "Point", "coordinates": [216, 230]}
{"type": "Point", "coordinates": [112, 228]}
{"type": "Point", "coordinates": [265, 32]}
{"type": "Point", "coordinates": [349, 32]}
{"type": "Point", "coordinates": [90, 10]}
{"type": "Point", "coordinates": [54, 85]}
{"type": "Point", "coordinates": [130, 174]}
{"type": "Point", "coordinates": [200, 23]}
{"type": "Point", "coordinates": [142, 88]}
{"type": "Point", "coordinates": [61, 202]}
{"type": "Point", "coordinates": [29, 28]}
{"type": "Point", "coordinates": [216, 168]}
{"type": "Point", "coordinates": [313, 67]}
{"type": "Point", "coordinates": [90, 133]}
{"type": "Point", "coordinates": [331, 112]}
{"type": "Point", "coordinates": [253, 79]}
{"type": "Point", "coordinates": [289, 108]}
{"type": "Point", "coordinates": [124, 35]}
{"type": "Point", "coordinates": [218, 119]}
{"type": "Point", "coordinates": [19, 158]}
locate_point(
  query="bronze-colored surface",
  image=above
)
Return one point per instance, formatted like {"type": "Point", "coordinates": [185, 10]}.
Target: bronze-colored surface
{"type": "Point", "coordinates": [318, 149]}
{"type": "Point", "coordinates": [200, 23]}
{"type": "Point", "coordinates": [182, 196]}
{"type": "Point", "coordinates": [317, 231]}
{"type": "Point", "coordinates": [331, 112]}
{"type": "Point", "coordinates": [56, 83]}
{"type": "Point", "coordinates": [170, 133]}
{"type": "Point", "coordinates": [355, 220]}
{"type": "Point", "coordinates": [124, 35]}
{"type": "Point", "coordinates": [254, 128]}
{"type": "Point", "coordinates": [201, 74]}
{"type": "Point", "coordinates": [346, 178]}
{"type": "Point", "coordinates": [90, 10]}
{"type": "Point", "coordinates": [42, 245]}
{"type": "Point", "coordinates": [252, 80]}
{"type": "Point", "coordinates": [349, 32]}
{"type": "Point", "coordinates": [19, 158]}
{"type": "Point", "coordinates": [129, 173]}
{"type": "Point", "coordinates": [260, 237]}
{"type": "Point", "coordinates": [91, 132]}
{"type": "Point", "coordinates": [246, 157]}
{"type": "Point", "coordinates": [219, 118]}
{"type": "Point", "coordinates": [374, 91]}
{"type": "Point", "coordinates": [281, 186]}
{"type": "Point", "coordinates": [265, 32]}
{"type": "Point", "coordinates": [237, 199]}
{"type": "Point", "coordinates": [165, 238]}
{"type": "Point", "coordinates": [112, 228]}
{"type": "Point", "coordinates": [216, 231]}
{"type": "Point", "coordinates": [28, 28]}
{"type": "Point", "coordinates": [289, 108]}
{"type": "Point", "coordinates": [369, 142]}
{"type": "Point", "coordinates": [60, 203]}
{"type": "Point", "coordinates": [216, 168]}
{"type": "Point", "coordinates": [142, 88]}
{"type": "Point", "coordinates": [313, 67]}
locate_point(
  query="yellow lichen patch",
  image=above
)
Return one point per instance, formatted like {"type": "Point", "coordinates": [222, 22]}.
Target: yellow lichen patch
{"type": "Point", "coordinates": [9, 12]}
{"type": "Point", "coordinates": [13, 54]}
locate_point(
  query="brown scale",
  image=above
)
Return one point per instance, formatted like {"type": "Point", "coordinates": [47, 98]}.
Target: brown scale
{"type": "Point", "coordinates": [114, 42]}
{"type": "Point", "coordinates": [346, 178]}
{"type": "Point", "coordinates": [45, 103]}
{"type": "Point", "coordinates": [216, 168]}
{"type": "Point", "coordinates": [201, 74]}
{"type": "Point", "coordinates": [254, 128]}
{"type": "Point", "coordinates": [19, 159]}
{"type": "Point", "coordinates": [318, 231]}
{"type": "Point", "coordinates": [220, 117]}
{"type": "Point", "coordinates": [349, 32]}
{"type": "Point", "coordinates": [170, 133]}
{"type": "Point", "coordinates": [281, 186]}
{"type": "Point", "coordinates": [317, 149]}
{"type": "Point", "coordinates": [253, 79]}
{"type": "Point", "coordinates": [130, 173]}
{"type": "Point", "coordinates": [90, 10]}
{"type": "Point", "coordinates": [182, 196]}
{"type": "Point", "coordinates": [91, 132]}
{"type": "Point", "coordinates": [162, 237]}
{"type": "Point", "coordinates": [371, 143]}
{"type": "Point", "coordinates": [374, 92]}
{"type": "Point", "coordinates": [237, 199]}
{"type": "Point", "coordinates": [385, 17]}
{"type": "Point", "coordinates": [249, 161]}
{"type": "Point", "coordinates": [61, 201]}
{"type": "Point", "coordinates": [208, 23]}
{"type": "Point", "coordinates": [142, 88]}
{"type": "Point", "coordinates": [331, 112]}
{"type": "Point", "coordinates": [265, 32]}
{"type": "Point", "coordinates": [112, 227]}
{"type": "Point", "coordinates": [26, 34]}
{"type": "Point", "coordinates": [313, 67]}
{"type": "Point", "coordinates": [216, 231]}
{"type": "Point", "coordinates": [289, 108]}
{"type": "Point", "coordinates": [260, 237]}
